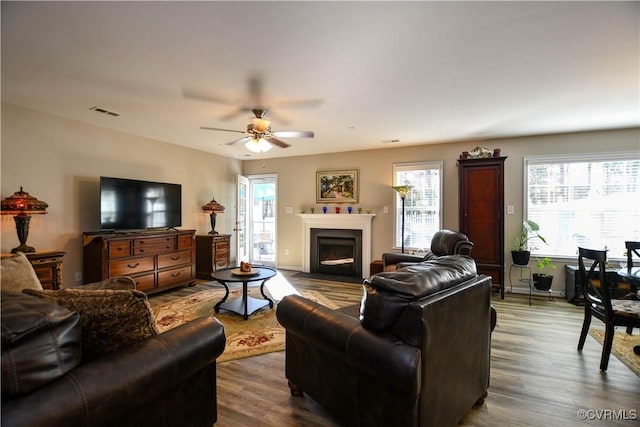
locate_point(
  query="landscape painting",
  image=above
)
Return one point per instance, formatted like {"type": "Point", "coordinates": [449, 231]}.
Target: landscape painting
{"type": "Point", "coordinates": [337, 186]}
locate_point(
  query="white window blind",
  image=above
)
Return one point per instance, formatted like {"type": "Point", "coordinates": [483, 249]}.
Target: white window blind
{"type": "Point", "coordinates": [589, 200]}
{"type": "Point", "coordinates": [423, 204]}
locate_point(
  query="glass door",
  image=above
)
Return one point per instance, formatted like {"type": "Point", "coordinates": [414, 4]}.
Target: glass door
{"type": "Point", "coordinates": [262, 219]}
{"type": "Point", "coordinates": [242, 220]}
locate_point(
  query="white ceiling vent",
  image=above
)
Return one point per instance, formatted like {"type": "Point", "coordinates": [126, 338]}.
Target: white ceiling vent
{"type": "Point", "coordinates": [104, 111]}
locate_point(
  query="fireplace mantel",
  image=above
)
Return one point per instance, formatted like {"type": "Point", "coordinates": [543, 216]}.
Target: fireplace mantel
{"type": "Point", "coordinates": [344, 221]}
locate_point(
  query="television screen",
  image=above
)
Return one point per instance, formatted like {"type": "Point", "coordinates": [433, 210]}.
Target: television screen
{"type": "Point", "coordinates": [128, 204]}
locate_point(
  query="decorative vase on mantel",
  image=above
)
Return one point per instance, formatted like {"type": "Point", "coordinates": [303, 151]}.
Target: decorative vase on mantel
{"type": "Point", "coordinates": [520, 257]}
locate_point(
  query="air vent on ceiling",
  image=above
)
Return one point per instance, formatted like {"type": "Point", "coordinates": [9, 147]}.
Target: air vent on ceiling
{"type": "Point", "coordinates": [104, 111]}
{"type": "Point", "coordinates": [390, 141]}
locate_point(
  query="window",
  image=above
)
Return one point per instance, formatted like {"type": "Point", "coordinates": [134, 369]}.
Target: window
{"type": "Point", "coordinates": [589, 200]}
{"type": "Point", "coordinates": [423, 204]}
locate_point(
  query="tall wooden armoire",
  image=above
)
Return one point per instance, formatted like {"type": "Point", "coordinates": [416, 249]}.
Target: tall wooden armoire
{"type": "Point", "coordinates": [481, 209]}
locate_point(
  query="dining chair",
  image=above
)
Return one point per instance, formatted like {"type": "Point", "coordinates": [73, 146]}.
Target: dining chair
{"type": "Point", "coordinates": [599, 303]}
{"type": "Point", "coordinates": [633, 251]}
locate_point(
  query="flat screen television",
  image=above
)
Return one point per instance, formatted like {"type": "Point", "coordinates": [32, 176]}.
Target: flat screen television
{"type": "Point", "coordinates": [129, 204]}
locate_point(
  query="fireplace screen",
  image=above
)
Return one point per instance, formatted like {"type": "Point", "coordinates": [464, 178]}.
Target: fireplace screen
{"type": "Point", "coordinates": [336, 251]}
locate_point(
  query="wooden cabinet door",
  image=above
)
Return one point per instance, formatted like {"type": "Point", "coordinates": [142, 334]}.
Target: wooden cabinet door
{"type": "Point", "coordinates": [481, 207]}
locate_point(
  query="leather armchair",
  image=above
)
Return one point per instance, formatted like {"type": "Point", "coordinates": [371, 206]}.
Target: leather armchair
{"type": "Point", "coordinates": [418, 354]}
{"type": "Point", "coordinates": [444, 242]}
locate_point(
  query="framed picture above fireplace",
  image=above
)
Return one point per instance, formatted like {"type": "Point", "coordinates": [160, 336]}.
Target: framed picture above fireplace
{"type": "Point", "coordinates": [337, 186]}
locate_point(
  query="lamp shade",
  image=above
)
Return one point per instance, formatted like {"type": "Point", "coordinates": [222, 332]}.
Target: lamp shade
{"type": "Point", "coordinates": [213, 206]}
{"type": "Point", "coordinates": [403, 190]}
{"type": "Point", "coordinates": [21, 203]}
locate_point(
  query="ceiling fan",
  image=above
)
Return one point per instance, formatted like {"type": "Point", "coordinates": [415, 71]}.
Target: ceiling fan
{"type": "Point", "coordinates": [259, 137]}
{"type": "Point", "coordinates": [254, 100]}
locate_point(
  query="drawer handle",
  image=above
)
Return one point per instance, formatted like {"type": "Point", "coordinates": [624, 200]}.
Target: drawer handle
{"type": "Point", "coordinates": [175, 258]}
{"type": "Point", "coordinates": [175, 274]}
{"type": "Point", "coordinates": [141, 250]}
{"type": "Point", "coordinates": [134, 265]}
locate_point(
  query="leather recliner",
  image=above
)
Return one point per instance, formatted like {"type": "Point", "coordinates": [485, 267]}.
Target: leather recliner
{"type": "Point", "coordinates": [444, 242]}
{"type": "Point", "coordinates": [416, 354]}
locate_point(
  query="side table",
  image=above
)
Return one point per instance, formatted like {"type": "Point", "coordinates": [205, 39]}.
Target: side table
{"type": "Point", "coordinates": [244, 305]}
{"type": "Point", "coordinates": [48, 267]}
{"type": "Point", "coordinates": [212, 254]}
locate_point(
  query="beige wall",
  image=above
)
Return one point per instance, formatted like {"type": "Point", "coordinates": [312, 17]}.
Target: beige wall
{"type": "Point", "coordinates": [297, 175]}
{"type": "Point", "coordinates": [60, 161]}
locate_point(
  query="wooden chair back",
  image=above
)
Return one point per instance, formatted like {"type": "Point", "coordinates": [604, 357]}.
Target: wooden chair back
{"type": "Point", "coordinates": [591, 268]}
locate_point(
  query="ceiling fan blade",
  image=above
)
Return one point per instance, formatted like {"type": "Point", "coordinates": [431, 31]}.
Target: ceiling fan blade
{"type": "Point", "coordinates": [190, 93]}
{"type": "Point", "coordinates": [224, 130]}
{"type": "Point", "coordinates": [241, 140]}
{"type": "Point", "coordinates": [294, 134]}
{"type": "Point", "coordinates": [235, 113]}
{"type": "Point", "coordinates": [277, 142]}
{"type": "Point", "coordinates": [295, 103]}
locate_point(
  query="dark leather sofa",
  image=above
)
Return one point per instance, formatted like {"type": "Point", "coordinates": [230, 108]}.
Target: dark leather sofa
{"type": "Point", "coordinates": [444, 242]}
{"type": "Point", "coordinates": [165, 380]}
{"type": "Point", "coordinates": [416, 353]}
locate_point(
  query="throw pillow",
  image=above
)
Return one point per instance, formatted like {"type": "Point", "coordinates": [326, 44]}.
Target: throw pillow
{"type": "Point", "coordinates": [17, 273]}
{"type": "Point", "coordinates": [110, 319]}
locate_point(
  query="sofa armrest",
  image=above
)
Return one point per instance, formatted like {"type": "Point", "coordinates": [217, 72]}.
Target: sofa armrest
{"type": "Point", "coordinates": [336, 333]}
{"type": "Point", "coordinates": [108, 388]}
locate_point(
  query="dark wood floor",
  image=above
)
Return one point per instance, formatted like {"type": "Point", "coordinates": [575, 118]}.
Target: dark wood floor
{"type": "Point", "coordinates": [538, 378]}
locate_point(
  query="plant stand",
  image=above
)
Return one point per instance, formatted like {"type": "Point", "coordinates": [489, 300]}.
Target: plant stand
{"type": "Point", "coordinates": [528, 279]}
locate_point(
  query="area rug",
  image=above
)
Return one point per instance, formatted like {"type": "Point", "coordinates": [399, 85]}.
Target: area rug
{"type": "Point", "coordinates": [622, 347]}
{"type": "Point", "coordinates": [259, 334]}
{"type": "Point", "coordinates": [330, 277]}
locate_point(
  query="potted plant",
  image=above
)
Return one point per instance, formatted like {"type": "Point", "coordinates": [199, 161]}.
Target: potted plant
{"type": "Point", "coordinates": [520, 252]}
{"type": "Point", "coordinates": [541, 280]}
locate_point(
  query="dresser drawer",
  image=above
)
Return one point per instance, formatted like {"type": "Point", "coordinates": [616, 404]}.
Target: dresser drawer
{"type": "Point", "coordinates": [145, 282]}
{"type": "Point", "coordinates": [177, 275]}
{"type": "Point", "coordinates": [130, 266]}
{"type": "Point", "coordinates": [185, 242]}
{"type": "Point", "coordinates": [174, 259]}
{"type": "Point", "coordinates": [155, 241]}
{"type": "Point", "coordinates": [45, 274]}
{"type": "Point", "coordinates": [221, 263]}
{"type": "Point", "coordinates": [152, 249]}
{"type": "Point", "coordinates": [119, 249]}
{"type": "Point", "coordinates": [222, 246]}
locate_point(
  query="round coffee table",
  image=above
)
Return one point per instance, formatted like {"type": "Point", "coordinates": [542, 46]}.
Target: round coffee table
{"type": "Point", "coordinates": [244, 305]}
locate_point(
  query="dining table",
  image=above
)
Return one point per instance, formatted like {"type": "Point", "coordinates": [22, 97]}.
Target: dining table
{"type": "Point", "coordinates": [632, 276]}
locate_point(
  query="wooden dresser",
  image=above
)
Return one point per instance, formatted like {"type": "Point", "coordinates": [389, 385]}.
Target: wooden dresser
{"type": "Point", "coordinates": [156, 260]}
{"type": "Point", "coordinates": [212, 254]}
{"type": "Point", "coordinates": [48, 267]}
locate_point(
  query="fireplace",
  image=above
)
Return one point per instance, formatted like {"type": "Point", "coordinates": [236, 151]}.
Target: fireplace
{"type": "Point", "coordinates": [361, 222]}
{"type": "Point", "coordinates": [336, 251]}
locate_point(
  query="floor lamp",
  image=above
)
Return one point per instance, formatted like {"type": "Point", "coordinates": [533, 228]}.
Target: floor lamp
{"type": "Point", "coordinates": [214, 208]}
{"type": "Point", "coordinates": [21, 205]}
{"type": "Point", "coordinates": [402, 190]}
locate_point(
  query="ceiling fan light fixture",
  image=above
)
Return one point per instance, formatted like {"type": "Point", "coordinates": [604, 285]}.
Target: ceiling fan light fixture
{"type": "Point", "coordinates": [259, 145]}
{"type": "Point", "coordinates": [261, 125]}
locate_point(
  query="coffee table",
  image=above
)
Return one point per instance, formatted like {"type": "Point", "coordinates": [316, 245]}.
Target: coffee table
{"type": "Point", "coordinates": [244, 305]}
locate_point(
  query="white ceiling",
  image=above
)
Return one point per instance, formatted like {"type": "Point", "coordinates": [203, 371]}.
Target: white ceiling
{"type": "Point", "coordinates": [418, 72]}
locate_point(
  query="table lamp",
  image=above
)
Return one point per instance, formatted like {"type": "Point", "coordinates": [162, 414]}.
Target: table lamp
{"type": "Point", "coordinates": [402, 190]}
{"type": "Point", "coordinates": [215, 208]}
{"type": "Point", "coordinates": [21, 205]}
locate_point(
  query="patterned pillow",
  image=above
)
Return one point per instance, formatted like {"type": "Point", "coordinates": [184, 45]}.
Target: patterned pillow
{"type": "Point", "coordinates": [110, 319]}
{"type": "Point", "coordinates": [17, 273]}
